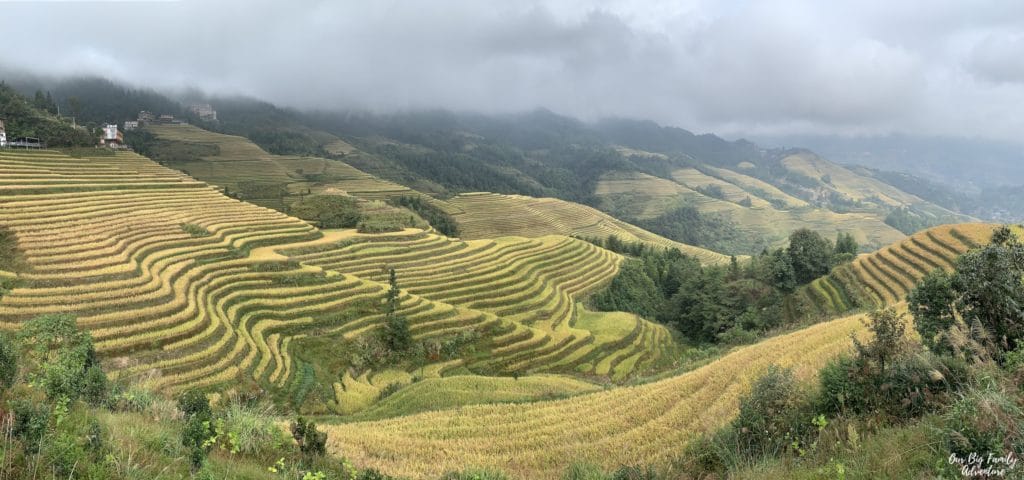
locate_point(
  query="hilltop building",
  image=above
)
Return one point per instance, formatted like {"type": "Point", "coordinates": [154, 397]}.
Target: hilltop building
{"type": "Point", "coordinates": [112, 137]}
{"type": "Point", "coordinates": [204, 111]}
{"type": "Point", "coordinates": [3, 134]}
{"type": "Point", "coordinates": [130, 125]}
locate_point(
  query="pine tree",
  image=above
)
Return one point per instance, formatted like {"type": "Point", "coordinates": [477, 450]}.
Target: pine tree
{"type": "Point", "coordinates": [397, 336]}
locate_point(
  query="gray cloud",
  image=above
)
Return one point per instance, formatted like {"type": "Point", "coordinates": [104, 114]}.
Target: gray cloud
{"type": "Point", "coordinates": [744, 67]}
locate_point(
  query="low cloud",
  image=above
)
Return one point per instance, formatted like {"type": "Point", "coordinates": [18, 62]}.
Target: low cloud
{"type": "Point", "coordinates": [755, 67]}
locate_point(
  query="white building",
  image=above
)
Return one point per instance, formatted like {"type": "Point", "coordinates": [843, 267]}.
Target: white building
{"type": "Point", "coordinates": [111, 137]}
{"type": "Point", "coordinates": [130, 125]}
{"type": "Point", "coordinates": [3, 134]}
{"type": "Point", "coordinates": [204, 111]}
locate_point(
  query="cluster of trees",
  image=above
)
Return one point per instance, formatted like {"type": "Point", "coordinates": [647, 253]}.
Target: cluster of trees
{"type": "Point", "coordinates": [329, 211]}
{"type": "Point", "coordinates": [718, 303]}
{"type": "Point", "coordinates": [23, 118]}
{"type": "Point", "coordinates": [437, 218]}
{"type": "Point", "coordinates": [688, 225]}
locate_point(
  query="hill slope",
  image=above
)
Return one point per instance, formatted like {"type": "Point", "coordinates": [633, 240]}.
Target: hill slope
{"type": "Point", "coordinates": [183, 287]}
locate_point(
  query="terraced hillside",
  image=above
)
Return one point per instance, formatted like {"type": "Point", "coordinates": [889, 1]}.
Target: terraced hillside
{"type": "Point", "coordinates": [489, 215]}
{"type": "Point", "coordinates": [646, 424]}
{"type": "Point", "coordinates": [533, 284]}
{"type": "Point", "coordinates": [271, 180]}
{"type": "Point", "coordinates": [886, 277]}
{"type": "Point", "coordinates": [772, 216]}
{"type": "Point", "coordinates": [182, 286]}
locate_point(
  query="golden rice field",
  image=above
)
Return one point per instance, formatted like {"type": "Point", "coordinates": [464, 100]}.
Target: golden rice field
{"type": "Point", "coordinates": [103, 238]}
{"type": "Point", "coordinates": [886, 276]}
{"type": "Point", "coordinates": [644, 196]}
{"type": "Point", "coordinates": [645, 424]}
{"type": "Point", "coordinates": [531, 284]}
{"type": "Point", "coordinates": [846, 182]}
{"type": "Point", "coordinates": [491, 215]}
{"type": "Point", "coordinates": [244, 168]}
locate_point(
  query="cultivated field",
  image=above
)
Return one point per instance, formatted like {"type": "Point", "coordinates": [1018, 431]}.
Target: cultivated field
{"type": "Point", "coordinates": [490, 215]}
{"type": "Point", "coordinates": [644, 196]}
{"type": "Point", "coordinates": [533, 285]}
{"type": "Point", "coordinates": [253, 174]}
{"type": "Point", "coordinates": [184, 287]}
{"type": "Point", "coordinates": [646, 424]}
{"type": "Point", "coordinates": [886, 277]}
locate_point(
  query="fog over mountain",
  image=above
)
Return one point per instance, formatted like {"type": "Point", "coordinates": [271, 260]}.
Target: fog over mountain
{"type": "Point", "coordinates": [733, 68]}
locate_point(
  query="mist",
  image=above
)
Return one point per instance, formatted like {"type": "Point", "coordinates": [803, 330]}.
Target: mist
{"type": "Point", "coordinates": [757, 68]}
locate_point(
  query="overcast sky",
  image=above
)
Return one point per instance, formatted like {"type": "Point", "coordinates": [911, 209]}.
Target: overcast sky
{"type": "Point", "coordinates": [730, 67]}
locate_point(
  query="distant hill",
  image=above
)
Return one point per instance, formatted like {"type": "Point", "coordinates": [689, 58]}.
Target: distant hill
{"type": "Point", "coordinates": [699, 189]}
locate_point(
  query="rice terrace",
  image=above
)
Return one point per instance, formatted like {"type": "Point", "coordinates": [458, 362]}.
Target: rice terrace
{"type": "Point", "coordinates": [480, 246]}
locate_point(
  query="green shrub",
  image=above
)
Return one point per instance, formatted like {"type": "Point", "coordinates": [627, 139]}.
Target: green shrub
{"type": "Point", "coordinates": [59, 352]}
{"type": "Point", "coordinates": [63, 454]}
{"type": "Point", "coordinates": [985, 420]}
{"type": "Point", "coordinates": [31, 419]}
{"type": "Point", "coordinates": [774, 418]}
{"type": "Point", "coordinates": [911, 386]}
{"type": "Point", "coordinates": [8, 363]}
{"type": "Point", "coordinates": [195, 230]}
{"type": "Point", "coordinates": [842, 389]}
{"type": "Point", "coordinates": [94, 386]}
{"type": "Point", "coordinates": [311, 441]}
{"type": "Point", "coordinates": [194, 403]}
{"type": "Point", "coordinates": [194, 438]}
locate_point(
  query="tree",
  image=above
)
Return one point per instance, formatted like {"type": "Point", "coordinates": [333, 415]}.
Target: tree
{"type": "Point", "coordinates": [888, 341]}
{"type": "Point", "coordinates": [397, 336]}
{"type": "Point", "coordinates": [931, 304]}
{"type": "Point", "coordinates": [61, 351]}
{"type": "Point", "coordinates": [987, 285]}
{"type": "Point", "coordinates": [809, 254]}
{"type": "Point", "coordinates": [845, 245]}
{"type": "Point", "coordinates": [984, 289]}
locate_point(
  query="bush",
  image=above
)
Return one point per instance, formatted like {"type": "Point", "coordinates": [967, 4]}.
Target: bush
{"type": "Point", "coordinates": [910, 386]}
{"type": "Point", "coordinates": [194, 403]}
{"type": "Point", "coordinates": [774, 418]}
{"type": "Point", "coordinates": [63, 454]}
{"type": "Point", "coordinates": [94, 386]}
{"type": "Point", "coordinates": [30, 422]}
{"type": "Point", "coordinates": [8, 363]}
{"type": "Point", "coordinates": [311, 441]}
{"type": "Point", "coordinates": [984, 421]}
{"type": "Point", "coordinates": [842, 388]}
{"type": "Point", "coordinates": [61, 353]}
{"type": "Point", "coordinates": [194, 437]}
